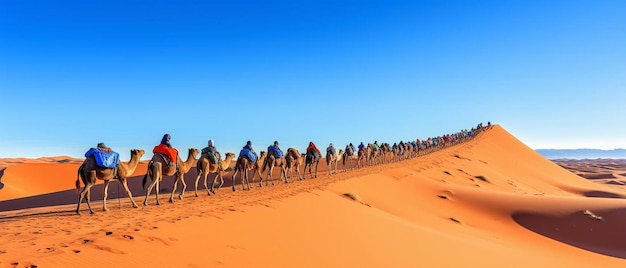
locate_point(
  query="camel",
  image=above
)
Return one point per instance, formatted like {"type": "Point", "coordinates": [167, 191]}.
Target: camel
{"type": "Point", "coordinates": [362, 156]}
{"type": "Point", "coordinates": [310, 161]}
{"type": "Point", "coordinates": [244, 165]}
{"type": "Point", "coordinates": [89, 172]}
{"type": "Point", "coordinates": [158, 167]}
{"type": "Point", "coordinates": [333, 159]}
{"type": "Point", "coordinates": [272, 160]}
{"type": "Point", "coordinates": [348, 157]}
{"type": "Point", "coordinates": [373, 154]}
{"type": "Point", "coordinates": [205, 167]}
{"type": "Point", "coordinates": [293, 160]}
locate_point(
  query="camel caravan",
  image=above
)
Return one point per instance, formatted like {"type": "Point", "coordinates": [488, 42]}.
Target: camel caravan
{"type": "Point", "coordinates": [102, 163]}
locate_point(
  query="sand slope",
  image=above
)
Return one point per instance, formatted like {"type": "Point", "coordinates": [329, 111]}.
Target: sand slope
{"type": "Point", "coordinates": [490, 202]}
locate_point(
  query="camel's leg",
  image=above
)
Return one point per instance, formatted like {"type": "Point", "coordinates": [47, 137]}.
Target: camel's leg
{"type": "Point", "coordinates": [130, 195]}
{"type": "Point", "coordinates": [145, 200]}
{"type": "Point", "coordinates": [174, 188]}
{"type": "Point", "coordinates": [221, 175]}
{"type": "Point", "coordinates": [152, 185]}
{"type": "Point", "coordinates": [269, 176]}
{"type": "Point", "coordinates": [218, 174]}
{"type": "Point", "coordinates": [197, 179]}
{"type": "Point", "coordinates": [328, 167]}
{"type": "Point", "coordinates": [156, 190]}
{"type": "Point", "coordinates": [182, 191]}
{"type": "Point", "coordinates": [84, 192]}
{"type": "Point", "coordinates": [233, 179]}
{"type": "Point", "coordinates": [89, 199]}
{"type": "Point", "coordinates": [245, 179]}
{"type": "Point", "coordinates": [206, 187]}
{"type": "Point", "coordinates": [106, 194]}
{"type": "Point", "coordinates": [221, 179]}
{"type": "Point", "coordinates": [258, 171]}
{"type": "Point", "coordinates": [283, 174]}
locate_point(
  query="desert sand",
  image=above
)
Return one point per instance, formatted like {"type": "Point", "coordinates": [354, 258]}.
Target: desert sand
{"type": "Point", "coordinates": [488, 202]}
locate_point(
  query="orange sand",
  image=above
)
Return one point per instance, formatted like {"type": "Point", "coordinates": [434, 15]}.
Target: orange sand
{"type": "Point", "coordinates": [490, 202]}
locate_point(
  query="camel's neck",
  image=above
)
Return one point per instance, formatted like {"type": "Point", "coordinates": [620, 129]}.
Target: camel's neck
{"type": "Point", "coordinates": [226, 163]}
{"type": "Point", "coordinates": [188, 163]}
{"type": "Point", "coordinates": [127, 169]}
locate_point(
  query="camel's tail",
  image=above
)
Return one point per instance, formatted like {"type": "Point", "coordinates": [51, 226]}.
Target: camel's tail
{"type": "Point", "coordinates": [80, 169]}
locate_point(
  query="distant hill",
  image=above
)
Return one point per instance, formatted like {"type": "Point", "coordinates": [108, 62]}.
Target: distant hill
{"type": "Point", "coordinates": [581, 153]}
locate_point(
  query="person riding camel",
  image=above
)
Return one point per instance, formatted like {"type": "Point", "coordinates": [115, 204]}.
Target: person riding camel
{"type": "Point", "coordinates": [361, 147]}
{"type": "Point", "coordinates": [331, 148]}
{"type": "Point", "coordinates": [313, 148]}
{"type": "Point", "coordinates": [249, 152]}
{"type": "Point", "coordinates": [375, 146]}
{"type": "Point", "coordinates": [211, 152]}
{"type": "Point", "coordinates": [165, 148]}
{"type": "Point", "coordinates": [275, 149]}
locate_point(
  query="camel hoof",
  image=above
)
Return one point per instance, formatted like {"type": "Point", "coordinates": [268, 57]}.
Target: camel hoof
{"type": "Point", "coordinates": [78, 212]}
{"type": "Point", "coordinates": [105, 209]}
{"type": "Point", "coordinates": [180, 197]}
{"type": "Point", "coordinates": [91, 212]}
{"type": "Point", "coordinates": [135, 206]}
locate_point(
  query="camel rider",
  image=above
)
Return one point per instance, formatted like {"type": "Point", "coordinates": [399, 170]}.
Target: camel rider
{"type": "Point", "coordinates": [211, 152]}
{"type": "Point", "coordinates": [313, 148]}
{"type": "Point", "coordinates": [353, 149]}
{"type": "Point", "coordinates": [167, 150]}
{"type": "Point", "coordinates": [104, 148]}
{"type": "Point", "coordinates": [361, 146]}
{"type": "Point", "coordinates": [331, 148]}
{"type": "Point", "coordinates": [166, 140]}
{"type": "Point", "coordinates": [375, 146]}
{"type": "Point", "coordinates": [248, 147]}
{"type": "Point", "coordinates": [278, 153]}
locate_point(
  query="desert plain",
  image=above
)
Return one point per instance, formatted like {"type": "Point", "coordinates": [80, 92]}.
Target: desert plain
{"type": "Point", "coordinates": [488, 202]}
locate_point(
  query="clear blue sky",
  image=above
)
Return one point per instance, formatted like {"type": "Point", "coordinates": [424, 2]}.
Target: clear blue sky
{"type": "Point", "coordinates": [75, 73]}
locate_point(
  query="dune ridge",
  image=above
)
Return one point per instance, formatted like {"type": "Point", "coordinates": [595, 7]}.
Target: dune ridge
{"type": "Point", "coordinates": [488, 202]}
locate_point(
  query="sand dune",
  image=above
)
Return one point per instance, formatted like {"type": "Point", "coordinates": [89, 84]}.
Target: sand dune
{"type": "Point", "coordinates": [489, 202]}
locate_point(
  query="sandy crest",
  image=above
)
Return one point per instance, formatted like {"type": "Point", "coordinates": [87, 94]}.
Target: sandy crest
{"type": "Point", "coordinates": [490, 202]}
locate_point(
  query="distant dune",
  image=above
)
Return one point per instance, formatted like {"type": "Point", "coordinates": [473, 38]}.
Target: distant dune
{"type": "Point", "coordinates": [582, 153]}
{"type": "Point", "coordinates": [488, 202]}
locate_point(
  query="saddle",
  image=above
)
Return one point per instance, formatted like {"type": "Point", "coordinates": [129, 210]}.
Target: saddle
{"type": "Point", "coordinates": [104, 159]}
{"type": "Point", "coordinates": [168, 153]}
{"type": "Point", "coordinates": [248, 154]}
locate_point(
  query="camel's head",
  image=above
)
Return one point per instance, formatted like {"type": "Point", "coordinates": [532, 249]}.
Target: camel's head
{"type": "Point", "coordinates": [229, 154]}
{"type": "Point", "coordinates": [137, 152]}
{"type": "Point", "coordinates": [194, 152]}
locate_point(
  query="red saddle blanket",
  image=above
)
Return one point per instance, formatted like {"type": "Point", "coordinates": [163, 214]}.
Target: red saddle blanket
{"type": "Point", "coordinates": [171, 153]}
